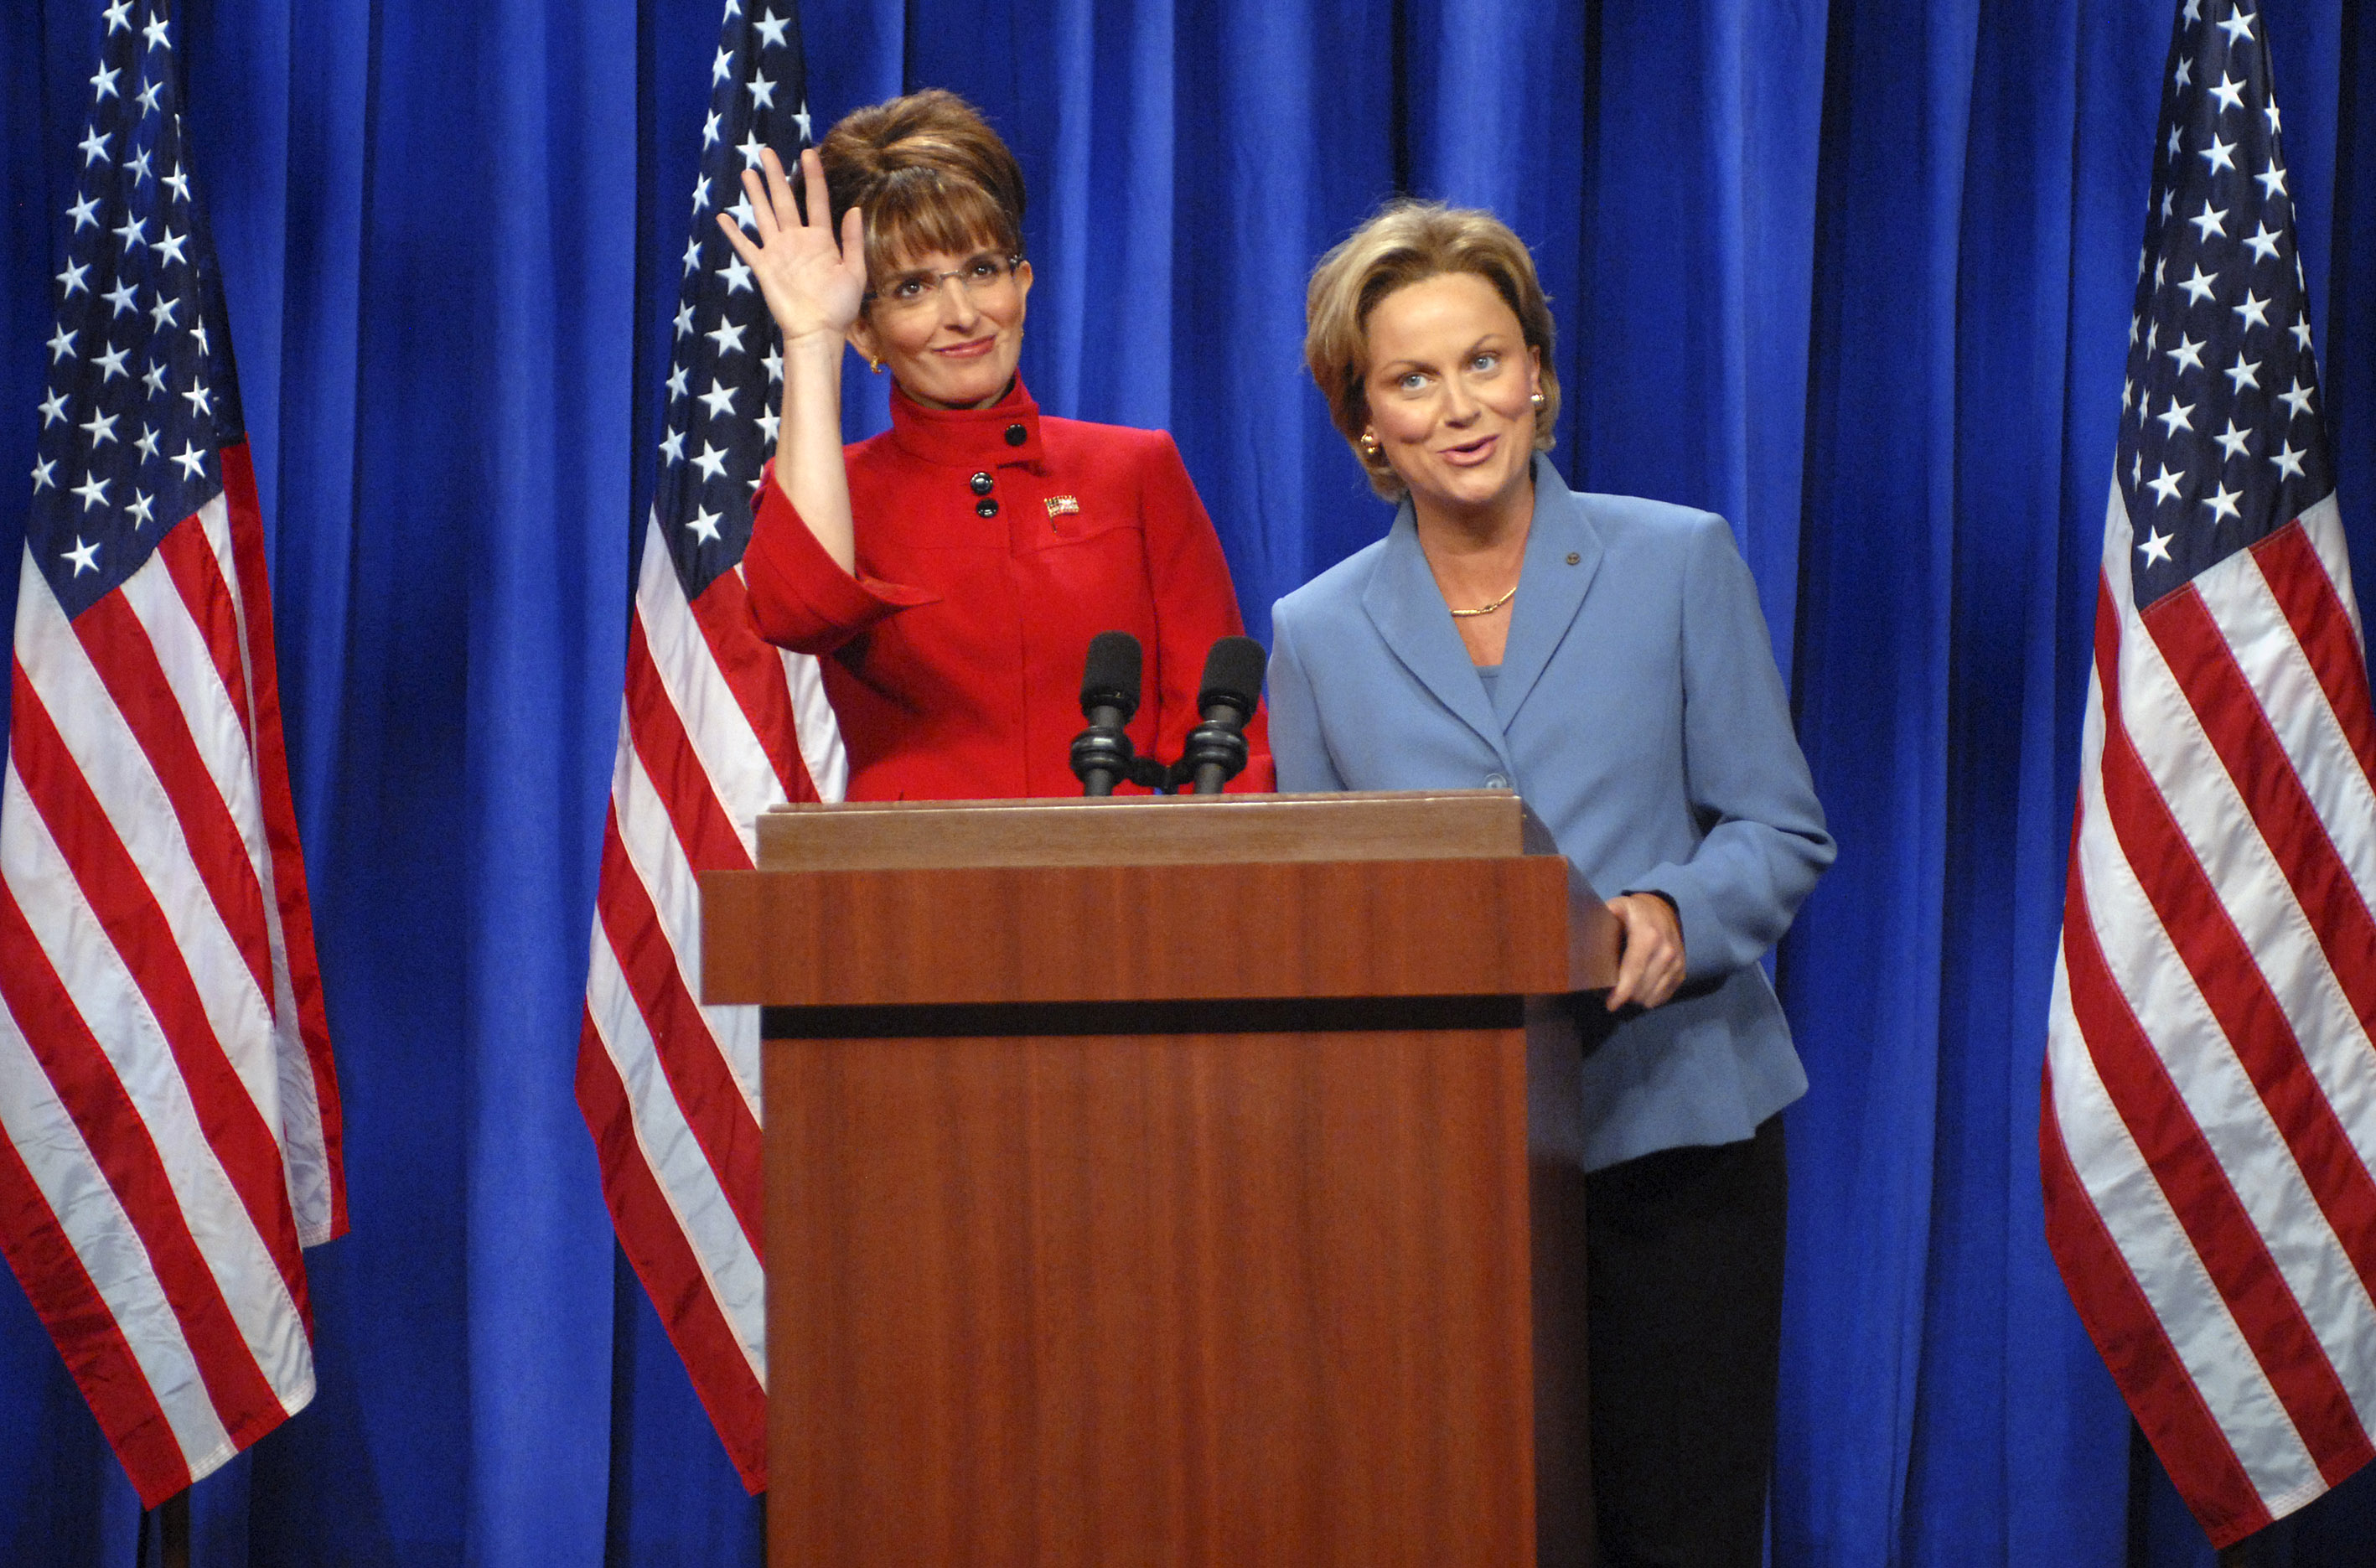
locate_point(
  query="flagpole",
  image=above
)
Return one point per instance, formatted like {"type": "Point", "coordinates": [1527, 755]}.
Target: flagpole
{"type": "Point", "coordinates": [173, 1530]}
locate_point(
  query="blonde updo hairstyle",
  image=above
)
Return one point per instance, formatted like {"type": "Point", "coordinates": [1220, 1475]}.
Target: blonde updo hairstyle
{"type": "Point", "coordinates": [1407, 242]}
{"type": "Point", "coordinates": [929, 173]}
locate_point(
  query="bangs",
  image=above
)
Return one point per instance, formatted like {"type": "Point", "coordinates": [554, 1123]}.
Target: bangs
{"type": "Point", "coordinates": [919, 211]}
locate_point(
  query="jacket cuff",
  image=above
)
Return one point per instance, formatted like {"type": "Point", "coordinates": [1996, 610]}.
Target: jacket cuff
{"type": "Point", "coordinates": [799, 594]}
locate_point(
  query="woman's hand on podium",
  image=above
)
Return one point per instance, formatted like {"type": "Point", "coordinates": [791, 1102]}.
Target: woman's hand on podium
{"type": "Point", "coordinates": [1650, 962]}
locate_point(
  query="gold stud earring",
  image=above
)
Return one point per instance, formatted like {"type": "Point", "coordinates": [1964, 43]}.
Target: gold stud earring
{"type": "Point", "coordinates": [1539, 400]}
{"type": "Point", "coordinates": [876, 366]}
{"type": "Point", "coordinates": [1369, 443]}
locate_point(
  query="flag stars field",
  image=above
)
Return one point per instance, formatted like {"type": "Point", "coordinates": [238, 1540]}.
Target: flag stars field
{"type": "Point", "coordinates": [2221, 162]}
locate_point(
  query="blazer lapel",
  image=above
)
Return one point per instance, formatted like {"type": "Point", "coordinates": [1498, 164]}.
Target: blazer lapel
{"type": "Point", "coordinates": [1404, 603]}
{"type": "Point", "coordinates": [1564, 553]}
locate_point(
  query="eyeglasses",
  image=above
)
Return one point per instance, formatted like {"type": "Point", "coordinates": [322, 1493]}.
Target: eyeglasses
{"type": "Point", "coordinates": [911, 292]}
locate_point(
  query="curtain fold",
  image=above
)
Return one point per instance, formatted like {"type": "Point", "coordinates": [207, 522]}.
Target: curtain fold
{"type": "Point", "coordinates": [1854, 274]}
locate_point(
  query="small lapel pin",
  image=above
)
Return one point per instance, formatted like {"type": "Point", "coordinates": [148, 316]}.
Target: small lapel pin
{"type": "Point", "coordinates": [1063, 506]}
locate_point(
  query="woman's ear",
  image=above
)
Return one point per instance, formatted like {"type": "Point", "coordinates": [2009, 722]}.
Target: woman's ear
{"type": "Point", "coordinates": [862, 338]}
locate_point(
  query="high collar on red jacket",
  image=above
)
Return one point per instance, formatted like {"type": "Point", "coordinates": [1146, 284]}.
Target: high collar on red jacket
{"type": "Point", "coordinates": [968, 438]}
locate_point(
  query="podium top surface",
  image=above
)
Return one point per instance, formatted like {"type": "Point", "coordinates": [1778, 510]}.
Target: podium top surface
{"type": "Point", "coordinates": [1150, 830]}
{"type": "Point", "coordinates": [1455, 893]}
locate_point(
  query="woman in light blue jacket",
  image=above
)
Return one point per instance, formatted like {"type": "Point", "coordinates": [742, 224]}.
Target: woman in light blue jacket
{"type": "Point", "coordinates": [1605, 657]}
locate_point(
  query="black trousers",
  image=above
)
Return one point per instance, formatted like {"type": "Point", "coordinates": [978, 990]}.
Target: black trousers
{"type": "Point", "coordinates": [1683, 1287]}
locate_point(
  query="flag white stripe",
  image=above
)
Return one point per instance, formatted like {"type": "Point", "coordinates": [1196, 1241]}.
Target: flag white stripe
{"type": "Point", "coordinates": [680, 1167]}
{"type": "Point", "coordinates": [818, 732]}
{"type": "Point", "coordinates": [102, 1234]}
{"type": "Point", "coordinates": [714, 722]}
{"type": "Point", "coordinates": [135, 804]}
{"type": "Point", "coordinates": [667, 877]}
{"type": "Point", "coordinates": [2242, 603]}
{"type": "Point", "coordinates": [2211, 812]}
{"type": "Point", "coordinates": [2145, 1228]}
{"type": "Point", "coordinates": [2218, 1092]}
{"type": "Point", "coordinates": [2220, 1100]}
{"type": "Point", "coordinates": [2323, 525]}
{"type": "Point", "coordinates": [303, 1148]}
{"type": "Point", "coordinates": [109, 998]}
{"type": "Point", "coordinates": [196, 683]}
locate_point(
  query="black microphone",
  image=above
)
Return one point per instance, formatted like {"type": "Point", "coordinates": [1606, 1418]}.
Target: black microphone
{"type": "Point", "coordinates": [1216, 752]}
{"type": "Point", "coordinates": [1101, 754]}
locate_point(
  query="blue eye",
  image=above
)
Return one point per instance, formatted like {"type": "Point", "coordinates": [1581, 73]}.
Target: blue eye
{"type": "Point", "coordinates": [1486, 362]}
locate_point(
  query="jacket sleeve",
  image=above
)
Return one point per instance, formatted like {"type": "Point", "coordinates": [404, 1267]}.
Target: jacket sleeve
{"type": "Point", "coordinates": [799, 595]}
{"type": "Point", "coordinates": [1195, 604]}
{"type": "Point", "coordinates": [1766, 842]}
{"type": "Point", "coordinates": [1304, 766]}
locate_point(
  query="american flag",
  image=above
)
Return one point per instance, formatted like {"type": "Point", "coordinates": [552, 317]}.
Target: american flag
{"type": "Point", "coordinates": [717, 727]}
{"type": "Point", "coordinates": [165, 1074]}
{"type": "Point", "coordinates": [2209, 1124]}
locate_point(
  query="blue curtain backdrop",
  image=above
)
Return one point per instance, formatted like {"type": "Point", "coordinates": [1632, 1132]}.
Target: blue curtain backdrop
{"type": "Point", "coordinates": [1854, 274]}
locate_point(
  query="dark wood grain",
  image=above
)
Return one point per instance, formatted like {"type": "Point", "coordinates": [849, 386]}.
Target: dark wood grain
{"type": "Point", "coordinates": [1155, 1299]}
{"type": "Point", "coordinates": [1083, 934]}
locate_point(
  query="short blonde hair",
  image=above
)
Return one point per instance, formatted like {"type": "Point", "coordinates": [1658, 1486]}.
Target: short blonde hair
{"type": "Point", "coordinates": [930, 175]}
{"type": "Point", "coordinates": [1407, 242]}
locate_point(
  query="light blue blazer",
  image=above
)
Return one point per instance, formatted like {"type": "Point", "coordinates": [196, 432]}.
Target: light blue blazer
{"type": "Point", "coordinates": [1639, 713]}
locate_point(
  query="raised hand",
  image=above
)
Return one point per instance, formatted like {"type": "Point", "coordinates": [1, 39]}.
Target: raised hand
{"type": "Point", "coordinates": [814, 286]}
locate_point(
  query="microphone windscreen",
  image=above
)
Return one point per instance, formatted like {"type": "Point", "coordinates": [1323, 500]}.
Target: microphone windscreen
{"type": "Point", "coordinates": [1233, 673]}
{"type": "Point", "coordinates": [1111, 677]}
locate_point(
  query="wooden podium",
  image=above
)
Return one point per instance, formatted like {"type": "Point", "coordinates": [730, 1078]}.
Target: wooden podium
{"type": "Point", "coordinates": [1148, 1181]}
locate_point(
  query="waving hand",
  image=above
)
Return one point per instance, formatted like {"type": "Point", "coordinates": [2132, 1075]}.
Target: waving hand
{"type": "Point", "coordinates": [814, 286]}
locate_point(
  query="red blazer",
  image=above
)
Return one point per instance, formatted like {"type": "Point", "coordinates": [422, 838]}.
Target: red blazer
{"type": "Point", "coordinates": [993, 544]}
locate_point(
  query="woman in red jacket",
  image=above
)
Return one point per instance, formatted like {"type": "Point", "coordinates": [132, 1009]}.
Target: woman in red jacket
{"type": "Point", "coordinates": [954, 568]}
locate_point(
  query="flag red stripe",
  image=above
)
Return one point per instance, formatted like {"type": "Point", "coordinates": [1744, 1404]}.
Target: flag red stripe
{"type": "Point", "coordinates": [280, 810]}
{"type": "Point", "coordinates": [126, 663]}
{"type": "Point", "coordinates": [127, 910]}
{"type": "Point", "coordinates": [2297, 577]}
{"type": "Point", "coordinates": [2232, 1248]}
{"type": "Point", "coordinates": [683, 785]}
{"type": "Point", "coordinates": [88, 1336]}
{"type": "Point", "coordinates": [2134, 1344]}
{"type": "Point", "coordinates": [704, 1087]}
{"type": "Point", "coordinates": [754, 670]}
{"type": "Point", "coordinates": [2135, 1076]}
{"type": "Point", "coordinates": [657, 1250]}
{"type": "Point", "coordinates": [198, 578]}
{"type": "Point", "coordinates": [120, 1141]}
{"type": "Point", "coordinates": [2263, 772]}
{"type": "Point", "coordinates": [2249, 1012]}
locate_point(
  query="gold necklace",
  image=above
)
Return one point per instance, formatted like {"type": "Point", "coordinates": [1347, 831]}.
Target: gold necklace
{"type": "Point", "coordinates": [1486, 609]}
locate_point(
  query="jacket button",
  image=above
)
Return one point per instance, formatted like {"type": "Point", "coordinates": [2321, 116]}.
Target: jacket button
{"type": "Point", "coordinates": [1495, 781]}
{"type": "Point", "coordinates": [981, 482]}
{"type": "Point", "coordinates": [986, 507]}
{"type": "Point", "coordinates": [1016, 435]}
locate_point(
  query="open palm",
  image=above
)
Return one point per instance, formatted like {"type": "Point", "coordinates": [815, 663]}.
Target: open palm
{"type": "Point", "coordinates": [813, 285]}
